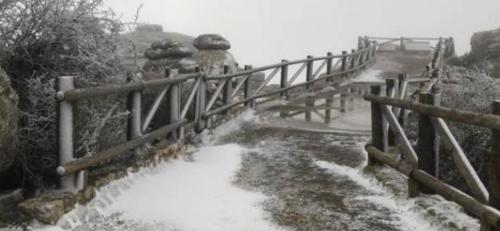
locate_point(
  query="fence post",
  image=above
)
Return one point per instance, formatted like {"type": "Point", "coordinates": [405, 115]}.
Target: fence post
{"type": "Point", "coordinates": [201, 104]}
{"type": "Point", "coordinates": [391, 92]}
{"type": "Point", "coordinates": [494, 167]}
{"type": "Point", "coordinates": [350, 92]}
{"type": "Point", "coordinates": [65, 134]}
{"type": "Point", "coordinates": [353, 59]}
{"type": "Point", "coordinates": [402, 78]}
{"type": "Point", "coordinates": [374, 49]}
{"type": "Point", "coordinates": [343, 96]}
{"type": "Point", "coordinates": [228, 88]}
{"type": "Point", "coordinates": [379, 135]}
{"type": "Point", "coordinates": [309, 73]}
{"type": "Point", "coordinates": [343, 63]}
{"type": "Point", "coordinates": [135, 108]}
{"type": "Point", "coordinates": [329, 66]}
{"type": "Point", "coordinates": [428, 144]}
{"type": "Point", "coordinates": [246, 87]}
{"type": "Point", "coordinates": [284, 79]}
{"type": "Point", "coordinates": [328, 105]}
{"type": "Point", "coordinates": [175, 103]}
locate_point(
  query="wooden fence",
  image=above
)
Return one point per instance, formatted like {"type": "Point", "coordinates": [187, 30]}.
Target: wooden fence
{"type": "Point", "coordinates": [233, 87]}
{"type": "Point", "coordinates": [389, 108]}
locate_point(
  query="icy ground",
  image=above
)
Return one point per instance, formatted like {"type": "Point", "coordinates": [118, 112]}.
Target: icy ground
{"type": "Point", "coordinates": [263, 172]}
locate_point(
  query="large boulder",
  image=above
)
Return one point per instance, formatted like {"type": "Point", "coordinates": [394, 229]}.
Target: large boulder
{"type": "Point", "coordinates": [485, 48]}
{"type": "Point", "coordinates": [209, 52]}
{"type": "Point", "coordinates": [8, 122]}
{"type": "Point", "coordinates": [133, 45]}
{"type": "Point", "coordinates": [211, 42]}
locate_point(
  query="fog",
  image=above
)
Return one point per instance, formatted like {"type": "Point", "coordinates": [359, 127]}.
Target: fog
{"type": "Point", "coordinates": [266, 31]}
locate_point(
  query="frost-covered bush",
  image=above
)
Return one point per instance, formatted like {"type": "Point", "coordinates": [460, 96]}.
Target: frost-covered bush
{"type": "Point", "coordinates": [43, 39]}
{"type": "Point", "coordinates": [473, 91]}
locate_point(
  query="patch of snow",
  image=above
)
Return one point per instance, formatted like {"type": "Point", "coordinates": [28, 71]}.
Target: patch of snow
{"type": "Point", "coordinates": [369, 76]}
{"type": "Point", "coordinates": [247, 116]}
{"type": "Point", "coordinates": [411, 215]}
{"type": "Point", "coordinates": [195, 195]}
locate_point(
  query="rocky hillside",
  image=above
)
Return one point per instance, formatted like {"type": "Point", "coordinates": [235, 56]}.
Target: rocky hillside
{"type": "Point", "coordinates": [485, 50]}
{"type": "Point", "coordinates": [133, 44]}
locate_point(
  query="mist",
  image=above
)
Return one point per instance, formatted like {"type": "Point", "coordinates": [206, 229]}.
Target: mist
{"type": "Point", "coordinates": [263, 32]}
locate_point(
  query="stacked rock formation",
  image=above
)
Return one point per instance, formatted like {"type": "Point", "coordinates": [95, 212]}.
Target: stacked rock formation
{"type": "Point", "coordinates": [210, 54]}
{"type": "Point", "coordinates": [8, 122]}
{"type": "Point", "coordinates": [485, 47]}
{"type": "Point", "coordinates": [169, 54]}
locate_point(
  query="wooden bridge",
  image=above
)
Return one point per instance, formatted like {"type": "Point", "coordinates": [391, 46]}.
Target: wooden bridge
{"type": "Point", "coordinates": [390, 104]}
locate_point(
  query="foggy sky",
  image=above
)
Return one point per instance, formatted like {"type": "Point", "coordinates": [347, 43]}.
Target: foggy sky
{"type": "Point", "coordinates": [266, 31]}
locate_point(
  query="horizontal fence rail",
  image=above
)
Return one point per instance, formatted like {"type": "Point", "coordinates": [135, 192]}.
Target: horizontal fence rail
{"type": "Point", "coordinates": [232, 90]}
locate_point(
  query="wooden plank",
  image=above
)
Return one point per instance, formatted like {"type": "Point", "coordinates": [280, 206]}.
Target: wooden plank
{"type": "Point", "coordinates": [486, 213]}
{"type": "Point", "coordinates": [190, 98]}
{"type": "Point", "coordinates": [297, 74]}
{"type": "Point", "coordinates": [494, 164]}
{"type": "Point", "coordinates": [218, 90]}
{"type": "Point", "coordinates": [384, 158]}
{"type": "Point", "coordinates": [266, 81]}
{"type": "Point", "coordinates": [463, 165]}
{"type": "Point", "coordinates": [404, 142]}
{"type": "Point", "coordinates": [154, 108]}
{"type": "Point", "coordinates": [466, 117]}
{"type": "Point", "coordinates": [379, 136]}
{"type": "Point", "coordinates": [428, 144]}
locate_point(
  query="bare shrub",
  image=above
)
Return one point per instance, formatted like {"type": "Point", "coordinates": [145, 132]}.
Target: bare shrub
{"type": "Point", "coordinates": [43, 39]}
{"type": "Point", "coordinates": [473, 91]}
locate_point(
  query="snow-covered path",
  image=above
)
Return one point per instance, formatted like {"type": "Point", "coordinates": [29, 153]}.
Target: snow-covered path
{"type": "Point", "coordinates": [263, 172]}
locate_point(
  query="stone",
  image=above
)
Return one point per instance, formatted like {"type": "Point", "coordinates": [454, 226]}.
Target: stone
{"type": "Point", "coordinates": [86, 195]}
{"type": "Point", "coordinates": [184, 65]}
{"type": "Point", "coordinates": [213, 61]}
{"type": "Point", "coordinates": [8, 122]}
{"type": "Point", "coordinates": [177, 50]}
{"type": "Point", "coordinates": [163, 44]}
{"type": "Point", "coordinates": [485, 49]}
{"type": "Point", "coordinates": [211, 42]}
{"type": "Point", "coordinates": [47, 211]}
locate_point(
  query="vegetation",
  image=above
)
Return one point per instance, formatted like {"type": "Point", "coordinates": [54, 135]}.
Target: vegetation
{"type": "Point", "coordinates": [42, 39]}
{"type": "Point", "coordinates": [468, 89]}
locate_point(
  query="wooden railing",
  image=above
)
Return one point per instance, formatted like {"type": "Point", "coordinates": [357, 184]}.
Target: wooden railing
{"type": "Point", "coordinates": [233, 87]}
{"type": "Point", "coordinates": [421, 164]}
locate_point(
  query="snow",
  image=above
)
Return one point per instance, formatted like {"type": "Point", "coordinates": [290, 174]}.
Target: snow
{"type": "Point", "coordinates": [411, 215]}
{"type": "Point", "coordinates": [192, 193]}
{"type": "Point", "coordinates": [195, 195]}
{"type": "Point", "coordinates": [369, 76]}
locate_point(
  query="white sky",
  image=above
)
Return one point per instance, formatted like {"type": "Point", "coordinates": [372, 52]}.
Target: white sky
{"type": "Point", "coordinates": [265, 31]}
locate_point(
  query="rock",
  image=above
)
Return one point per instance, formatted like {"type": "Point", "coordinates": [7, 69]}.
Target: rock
{"type": "Point", "coordinates": [213, 61]}
{"type": "Point", "coordinates": [133, 45]}
{"type": "Point", "coordinates": [211, 42]}
{"type": "Point", "coordinates": [149, 28]}
{"type": "Point", "coordinates": [485, 49]}
{"type": "Point", "coordinates": [184, 65]}
{"type": "Point", "coordinates": [8, 122]}
{"type": "Point", "coordinates": [47, 211]}
{"type": "Point", "coordinates": [164, 44]}
{"type": "Point", "coordinates": [86, 195]}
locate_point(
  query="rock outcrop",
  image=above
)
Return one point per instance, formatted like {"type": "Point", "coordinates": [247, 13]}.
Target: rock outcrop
{"type": "Point", "coordinates": [485, 48]}
{"type": "Point", "coordinates": [211, 42]}
{"type": "Point", "coordinates": [8, 122]}
{"type": "Point", "coordinates": [209, 52]}
{"type": "Point", "coordinates": [133, 45]}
